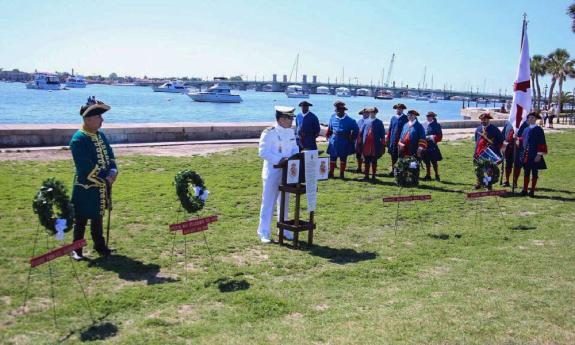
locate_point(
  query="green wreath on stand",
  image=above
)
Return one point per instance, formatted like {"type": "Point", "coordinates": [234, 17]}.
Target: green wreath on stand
{"type": "Point", "coordinates": [192, 199]}
{"type": "Point", "coordinates": [51, 199]}
{"type": "Point", "coordinates": [407, 172]}
{"type": "Point", "coordinates": [487, 172]}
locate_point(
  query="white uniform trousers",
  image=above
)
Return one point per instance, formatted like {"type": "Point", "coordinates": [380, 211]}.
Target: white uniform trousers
{"type": "Point", "coordinates": [270, 196]}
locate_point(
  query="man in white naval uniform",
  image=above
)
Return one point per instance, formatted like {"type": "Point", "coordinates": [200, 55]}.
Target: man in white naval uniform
{"type": "Point", "coordinates": [276, 144]}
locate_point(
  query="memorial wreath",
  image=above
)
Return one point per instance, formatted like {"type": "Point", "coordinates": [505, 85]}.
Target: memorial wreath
{"type": "Point", "coordinates": [487, 172]}
{"type": "Point", "coordinates": [53, 195]}
{"type": "Point", "coordinates": [407, 172]}
{"type": "Point", "coordinates": [192, 199]}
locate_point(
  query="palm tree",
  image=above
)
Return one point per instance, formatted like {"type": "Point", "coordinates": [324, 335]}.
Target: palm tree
{"type": "Point", "coordinates": [571, 13]}
{"type": "Point", "coordinates": [537, 70]}
{"type": "Point", "coordinates": [560, 68]}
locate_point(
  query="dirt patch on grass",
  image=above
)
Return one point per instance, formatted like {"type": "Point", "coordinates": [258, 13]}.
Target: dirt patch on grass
{"type": "Point", "coordinates": [542, 243]}
{"type": "Point", "coordinates": [250, 257]}
{"type": "Point", "coordinates": [32, 306]}
{"type": "Point", "coordinates": [436, 271]}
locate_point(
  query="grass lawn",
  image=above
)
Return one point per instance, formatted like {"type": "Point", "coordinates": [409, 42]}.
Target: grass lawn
{"type": "Point", "coordinates": [450, 275]}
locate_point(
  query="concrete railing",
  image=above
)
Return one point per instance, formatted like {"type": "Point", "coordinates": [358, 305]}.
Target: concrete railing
{"type": "Point", "coordinates": [59, 135]}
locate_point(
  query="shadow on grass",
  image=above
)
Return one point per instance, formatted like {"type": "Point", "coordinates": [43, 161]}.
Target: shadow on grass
{"type": "Point", "coordinates": [340, 256]}
{"type": "Point", "coordinates": [100, 331]}
{"type": "Point", "coordinates": [442, 236]}
{"type": "Point", "coordinates": [523, 227]}
{"type": "Point", "coordinates": [227, 284]}
{"type": "Point", "coordinates": [555, 190]}
{"type": "Point", "coordinates": [439, 189]}
{"type": "Point", "coordinates": [130, 269]}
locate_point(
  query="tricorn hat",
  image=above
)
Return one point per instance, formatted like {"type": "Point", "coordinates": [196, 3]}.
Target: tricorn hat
{"type": "Point", "coordinates": [372, 110]}
{"type": "Point", "coordinates": [413, 112]}
{"type": "Point", "coordinates": [535, 114]}
{"type": "Point", "coordinates": [399, 106]}
{"type": "Point", "coordinates": [339, 105]}
{"type": "Point", "coordinates": [305, 103]}
{"type": "Point", "coordinates": [362, 111]}
{"type": "Point", "coordinates": [94, 107]}
{"type": "Point", "coordinates": [284, 111]}
{"type": "Point", "coordinates": [431, 113]}
{"type": "Point", "coordinates": [485, 115]}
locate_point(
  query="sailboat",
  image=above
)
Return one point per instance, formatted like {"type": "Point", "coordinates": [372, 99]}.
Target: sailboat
{"type": "Point", "coordinates": [432, 98]}
{"type": "Point", "coordinates": [296, 91]}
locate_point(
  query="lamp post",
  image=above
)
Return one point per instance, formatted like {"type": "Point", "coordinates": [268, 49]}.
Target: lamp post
{"type": "Point", "coordinates": [545, 96]}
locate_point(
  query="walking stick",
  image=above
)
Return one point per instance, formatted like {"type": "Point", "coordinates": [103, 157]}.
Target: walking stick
{"type": "Point", "coordinates": [109, 207]}
{"type": "Point", "coordinates": [502, 171]}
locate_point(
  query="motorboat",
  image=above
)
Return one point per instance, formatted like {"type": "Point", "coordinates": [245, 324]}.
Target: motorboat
{"type": "Point", "coordinates": [76, 82]}
{"type": "Point", "coordinates": [422, 98]}
{"type": "Point", "coordinates": [363, 92]}
{"type": "Point", "coordinates": [296, 91]}
{"type": "Point", "coordinates": [384, 94]}
{"type": "Point", "coordinates": [174, 86]}
{"type": "Point", "coordinates": [44, 81]}
{"type": "Point", "coordinates": [342, 92]}
{"type": "Point", "coordinates": [218, 93]}
{"type": "Point", "coordinates": [432, 99]}
{"type": "Point", "coordinates": [322, 90]}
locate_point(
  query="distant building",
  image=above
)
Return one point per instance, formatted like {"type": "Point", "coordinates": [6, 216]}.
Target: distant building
{"type": "Point", "coordinates": [15, 75]}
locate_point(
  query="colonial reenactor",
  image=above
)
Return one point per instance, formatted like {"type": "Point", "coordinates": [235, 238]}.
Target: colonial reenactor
{"type": "Point", "coordinates": [534, 148]}
{"type": "Point", "coordinates": [512, 159]}
{"type": "Point", "coordinates": [276, 144]}
{"type": "Point", "coordinates": [412, 140]}
{"type": "Point", "coordinates": [432, 154]}
{"type": "Point", "coordinates": [358, 140]}
{"type": "Point", "coordinates": [96, 171]}
{"type": "Point", "coordinates": [307, 127]}
{"type": "Point", "coordinates": [487, 136]}
{"type": "Point", "coordinates": [372, 136]}
{"type": "Point", "coordinates": [395, 126]}
{"type": "Point", "coordinates": [341, 134]}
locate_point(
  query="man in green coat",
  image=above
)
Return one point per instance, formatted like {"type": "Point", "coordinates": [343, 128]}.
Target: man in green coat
{"type": "Point", "coordinates": [96, 171]}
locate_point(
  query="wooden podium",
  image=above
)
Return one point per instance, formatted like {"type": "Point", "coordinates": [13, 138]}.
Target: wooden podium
{"type": "Point", "coordinates": [298, 189]}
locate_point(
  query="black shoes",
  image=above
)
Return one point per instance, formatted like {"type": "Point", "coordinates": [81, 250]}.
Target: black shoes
{"type": "Point", "coordinates": [426, 178]}
{"type": "Point", "coordinates": [437, 178]}
{"type": "Point", "coordinates": [524, 193]}
{"type": "Point", "coordinates": [506, 184]}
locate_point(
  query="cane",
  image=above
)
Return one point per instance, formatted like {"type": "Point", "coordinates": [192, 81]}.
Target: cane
{"type": "Point", "coordinates": [502, 171]}
{"type": "Point", "coordinates": [109, 206]}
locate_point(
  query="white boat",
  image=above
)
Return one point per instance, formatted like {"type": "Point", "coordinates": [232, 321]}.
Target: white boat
{"type": "Point", "coordinates": [322, 90]}
{"type": "Point", "coordinates": [76, 82]}
{"type": "Point", "coordinates": [174, 86]}
{"type": "Point", "coordinates": [296, 91]}
{"type": "Point", "coordinates": [384, 94]}
{"type": "Point", "coordinates": [432, 99]}
{"type": "Point", "coordinates": [44, 81]}
{"type": "Point", "coordinates": [218, 93]}
{"type": "Point", "coordinates": [363, 92]}
{"type": "Point", "coordinates": [342, 92]}
{"type": "Point", "coordinates": [422, 98]}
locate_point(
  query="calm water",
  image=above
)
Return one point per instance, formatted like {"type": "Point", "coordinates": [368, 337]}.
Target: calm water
{"type": "Point", "coordinates": [140, 104]}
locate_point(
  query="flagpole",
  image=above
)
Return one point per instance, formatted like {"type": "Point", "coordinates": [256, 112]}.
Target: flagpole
{"type": "Point", "coordinates": [514, 183]}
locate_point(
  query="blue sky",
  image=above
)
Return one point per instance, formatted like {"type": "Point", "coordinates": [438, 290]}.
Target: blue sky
{"type": "Point", "coordinates": [462, 43]}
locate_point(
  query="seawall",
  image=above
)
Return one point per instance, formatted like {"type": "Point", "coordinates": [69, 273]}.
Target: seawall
{"type": "Point", "coordinates": [30, 135]}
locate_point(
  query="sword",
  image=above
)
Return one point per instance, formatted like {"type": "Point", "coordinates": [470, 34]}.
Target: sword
{"type": "Point", "coordinates": [109, 207]}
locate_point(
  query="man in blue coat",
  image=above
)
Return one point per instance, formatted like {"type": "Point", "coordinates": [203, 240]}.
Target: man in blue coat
{"type": "Point", "coordinates": [307, 127]}
{"type": "Point", "coordinates": [395, 126]}
{"type": "Point", "coordinates": [412, 138]}
{"type": "Point", "coordinates": [432, 155]}
{"type": "Point", "coordinates": [534, 148]}
{"type": "Point", "coordinates": [512, 160]}
{"type": "Point", "coordinates": [372, 139]}
{"type": "Point", "coordinates": [487, 136]}
{"type": "Point", "coordinates": [341, 133]}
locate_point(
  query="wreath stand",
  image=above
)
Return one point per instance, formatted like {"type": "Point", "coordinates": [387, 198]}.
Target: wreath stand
{"type": "Point", "coordinates": [296, 225]}
{"type": "Point", "coordinates": [52, 254]}
{"type": "Point", "coordinates": [399, 199]}
{"type": "Point", "coordinates": [475, 196]}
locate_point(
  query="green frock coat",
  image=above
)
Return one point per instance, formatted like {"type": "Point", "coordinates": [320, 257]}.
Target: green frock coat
{"type": "Point", "coordinates": [94, 159]}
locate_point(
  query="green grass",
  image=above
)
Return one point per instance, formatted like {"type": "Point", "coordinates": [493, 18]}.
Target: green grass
{"type": "Point", "coordinates": [450, 275]}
